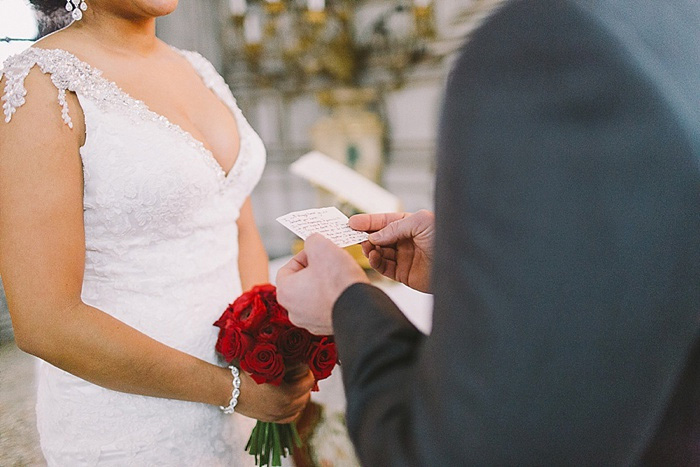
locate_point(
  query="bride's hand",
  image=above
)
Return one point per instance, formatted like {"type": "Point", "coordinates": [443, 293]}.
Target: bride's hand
{"type": "Point", "coordinates": [279, 404]}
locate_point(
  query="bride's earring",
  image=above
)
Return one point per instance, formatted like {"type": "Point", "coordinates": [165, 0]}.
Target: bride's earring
{"type": "Point", "coordinates": [76, 7]}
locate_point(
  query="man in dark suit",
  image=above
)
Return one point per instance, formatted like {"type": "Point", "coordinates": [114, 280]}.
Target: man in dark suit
{"type": "Point", "coordinates": [566, 268]}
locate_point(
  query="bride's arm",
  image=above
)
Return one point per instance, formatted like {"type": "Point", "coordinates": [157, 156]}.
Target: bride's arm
{"type": "Point", "coordinates": [42, 251]}
{"type": "Point", "coordinates": [252, 257]}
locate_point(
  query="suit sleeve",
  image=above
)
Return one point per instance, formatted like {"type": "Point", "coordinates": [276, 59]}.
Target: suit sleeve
{"type": "Point", "coordinates": [566, 268]}
{"type": "Point", "coordinates": [377, 347]}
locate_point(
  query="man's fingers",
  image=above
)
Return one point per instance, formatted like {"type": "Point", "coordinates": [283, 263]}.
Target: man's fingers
{"type": "Point", "coordinates": [388, 253]}
{"type": "Point", "coordinates": [360, 222]}
{"type": "Point", "coordinates": [405, 228]}
{"type": "Point", "coordinates": [316, 239]}
{"type": "Point", "coordinates": [287, 276]}
{"type": "Point", "coordinates": [382, 265]}
{"type": "Point", "coordinates": [318, 247]}
{"type": "Point", "coordinates": [366, 248]}
{"type": "Point", "coordinates": [374, 222]}
{"type": "Point", "coordinates": [375, 260]}
{"type": "Point", "coordinates": [300, 261]}
{"type": "Point", "coordinates": [296, 264]}
{"type": "Point", "coordinates": [391, 234]}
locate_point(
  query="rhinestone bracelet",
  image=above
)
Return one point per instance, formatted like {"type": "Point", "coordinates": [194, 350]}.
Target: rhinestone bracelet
{"type": "Point", "coordinates": [235, 393]}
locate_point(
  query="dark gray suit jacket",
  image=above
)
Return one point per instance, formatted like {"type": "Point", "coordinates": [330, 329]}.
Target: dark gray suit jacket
{"type": "Point", "coordinates": [567, 268]}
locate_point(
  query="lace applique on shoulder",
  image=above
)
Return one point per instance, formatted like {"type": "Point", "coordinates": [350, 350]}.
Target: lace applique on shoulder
{"type": "Point", "coordinates": [66, 75]}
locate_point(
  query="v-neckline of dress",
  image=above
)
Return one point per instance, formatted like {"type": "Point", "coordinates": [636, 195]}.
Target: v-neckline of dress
{"type": "Point", "coordinates": [141, 107]}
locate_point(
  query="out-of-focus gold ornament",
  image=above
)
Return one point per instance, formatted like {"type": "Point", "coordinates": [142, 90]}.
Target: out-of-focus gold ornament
{"type": "Point", "coordinates": [312, 44]}
{"type": "Point", "coordinates": [354, 250]}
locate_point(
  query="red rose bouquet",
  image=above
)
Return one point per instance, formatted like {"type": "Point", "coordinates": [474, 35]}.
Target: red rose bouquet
{"type": "Point", "coordinates": [255, 330]}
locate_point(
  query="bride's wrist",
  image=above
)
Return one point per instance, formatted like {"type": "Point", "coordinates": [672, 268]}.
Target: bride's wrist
{"type": "Point", "coordinates": [221, 387]}
{"type": "Point", "coordinates": [230, 406]}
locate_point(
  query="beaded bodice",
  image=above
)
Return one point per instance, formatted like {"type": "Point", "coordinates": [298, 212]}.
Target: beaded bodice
{"type": "Point", "coordinates": [161, 255]}
{"type": "Point", "coordinates": [68, 73]}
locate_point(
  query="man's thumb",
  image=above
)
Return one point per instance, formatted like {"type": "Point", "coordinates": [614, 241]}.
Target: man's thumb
{"type": "Point", "coordinates": [315, 245]}
{"type": "Point", "coordinates": [386, 236]}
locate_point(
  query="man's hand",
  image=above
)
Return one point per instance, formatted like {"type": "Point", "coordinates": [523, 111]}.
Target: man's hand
{"type": "Point", "coordinates": [401, 245]}
{"type": "Point", "coordinates": [310, 283]}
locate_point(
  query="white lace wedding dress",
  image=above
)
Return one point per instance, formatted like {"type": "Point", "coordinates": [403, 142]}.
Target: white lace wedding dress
{"type": "Point", "coordinates": [161, 256]}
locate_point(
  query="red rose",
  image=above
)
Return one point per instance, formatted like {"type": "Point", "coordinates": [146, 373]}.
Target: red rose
{"type": "Point", "coordinates": [264, 289]}
{"type": "Point", "coordinates": [253, 316]}
{"type": "Point", "coordinates": [233, 343]}
{"type": "Point", "coordinates": [322, 358]}
{"type": "Point", "coordinates": [251, 329]}
{"type": "Point", "coordinates": [266, 292]}
{"type": "Point", "coordinates": [294, 344]}
{"type": "Point", "coordinates": [272, 328]}
{"type": "Point", "coordinates": [230, 344]}
{"type": "Point", "coordinates": [264, 363]}
{"type": "Point", "coordinates": [241, 306]}
{"type": "Point", "coordinates": [278, 310]}
{"type": "Point", "coordinates": [226, 317]}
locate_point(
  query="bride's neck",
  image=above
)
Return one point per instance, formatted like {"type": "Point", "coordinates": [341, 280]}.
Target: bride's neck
{"type": "Point", "coordinates": [120, 35]}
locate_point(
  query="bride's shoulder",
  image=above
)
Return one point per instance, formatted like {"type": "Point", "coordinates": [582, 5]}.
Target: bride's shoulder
{"type": "Point", "coordinates": [206, 70]}
{"type": "Point", "coordinates": [200, 63]}
{"type": "Point", "coordinates": [40, 71]}
{"type": "Point", "coordinates": [36, 123]}
{"type": "Point", "coordinates": [209, 75]}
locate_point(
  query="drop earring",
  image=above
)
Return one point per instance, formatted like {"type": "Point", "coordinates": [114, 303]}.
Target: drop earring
{"type": "Point", "coordinates": [76, 8]}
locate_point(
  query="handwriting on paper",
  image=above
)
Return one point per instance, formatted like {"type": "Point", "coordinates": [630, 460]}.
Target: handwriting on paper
{"type": "Point", "coordinates": [329, 222]}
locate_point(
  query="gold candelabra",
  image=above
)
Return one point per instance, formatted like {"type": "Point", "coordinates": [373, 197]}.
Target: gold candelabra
{"type": "Point", "coordinates": [301, 45]}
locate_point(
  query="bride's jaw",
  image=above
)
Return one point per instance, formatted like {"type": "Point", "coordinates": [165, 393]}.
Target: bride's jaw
{"type": "Point", "coordinates": [153, 8]}
{"type": "Point", "coordinates": [131, 9]}
{"type": "Point", "coordinates": [123, 26]}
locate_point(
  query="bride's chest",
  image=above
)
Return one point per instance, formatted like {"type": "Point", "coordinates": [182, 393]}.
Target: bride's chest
{"type": "Point", "coordinates": [195, 109]}
{"type": "Point", "coordinates": [148, 169]}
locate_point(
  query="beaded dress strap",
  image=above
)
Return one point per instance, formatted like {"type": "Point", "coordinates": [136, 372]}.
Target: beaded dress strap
{"type": "Point", "coordinates": [69, 73]}
{"type": "Point", "coordinates": [66, 71]}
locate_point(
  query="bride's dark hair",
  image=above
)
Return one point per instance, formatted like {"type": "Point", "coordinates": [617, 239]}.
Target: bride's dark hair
{"type": "Point", "coordinates": [51, 15]}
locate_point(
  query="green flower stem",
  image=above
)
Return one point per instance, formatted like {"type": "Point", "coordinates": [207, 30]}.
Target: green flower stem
{"type": "Point", "coordinates": [269, 442]}
{"type": "Point", "coordinates": [276, 445]}
{"type": "Point", "coordinates": [265, 452]}
{"type": "Point", "coordinates": [286, 436]}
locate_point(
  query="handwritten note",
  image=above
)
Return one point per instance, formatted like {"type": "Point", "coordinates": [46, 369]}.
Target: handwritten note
{"type": "Point", "coordinates": [329, 222]}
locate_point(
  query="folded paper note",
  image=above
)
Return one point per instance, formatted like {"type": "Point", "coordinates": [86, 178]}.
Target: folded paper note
{"type": "Point", "coordinates": [345, 183]}
{"type": "Point", "coordinates": [329, 222]}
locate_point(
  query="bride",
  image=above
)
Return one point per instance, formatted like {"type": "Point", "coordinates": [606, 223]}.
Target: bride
{"type": "Point", "coordinates": [125, 174]}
